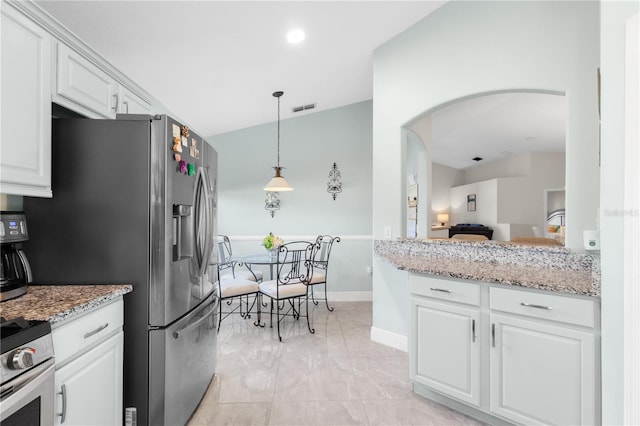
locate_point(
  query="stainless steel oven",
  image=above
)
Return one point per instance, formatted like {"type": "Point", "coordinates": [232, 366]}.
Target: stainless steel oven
{"type": "Point", "coordinates": [27, 371]}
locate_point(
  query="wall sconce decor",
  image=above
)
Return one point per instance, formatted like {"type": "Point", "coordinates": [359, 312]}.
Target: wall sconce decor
{"type": "Point", "coordinates": [272, 202]}
{"type": "Point", "coordinates": [334, 186]}
{"type": "Point", "coordinates": [443, 218]}
{"type": "Point", "coordinates": [277, 182]}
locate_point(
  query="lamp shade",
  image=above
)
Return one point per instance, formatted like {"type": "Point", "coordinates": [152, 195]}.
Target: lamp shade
{"type": "Point", "coordinates": [443, 217]}
{"type": "Point", "coordinates": [278, 183]}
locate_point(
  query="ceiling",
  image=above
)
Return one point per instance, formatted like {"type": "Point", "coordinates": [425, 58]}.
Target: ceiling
{"type": "Point", "coordinates": [215, 64]}
{"type": "Point", "coordinates": [497, 126]}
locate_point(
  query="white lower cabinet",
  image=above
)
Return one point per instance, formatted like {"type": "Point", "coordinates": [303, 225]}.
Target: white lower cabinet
{"type": "Point", "coordinates": [89, 367]}
{"type": "Point", "coordinates": [519, 356]}
{"type": "Point", "coordinates": [89, 388]}
{"type": "Point", "coordinates": [444, 343]}
{"type": "Point", "coordinates": [543, 358]}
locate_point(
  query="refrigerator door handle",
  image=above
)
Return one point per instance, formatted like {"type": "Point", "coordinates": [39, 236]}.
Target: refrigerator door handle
{"type": "Point", "coordinates": [210, 220]}
{"type": "Point", "coordinates": [202, 218]}
{"type": "Point", "coordinates": [195, 324]}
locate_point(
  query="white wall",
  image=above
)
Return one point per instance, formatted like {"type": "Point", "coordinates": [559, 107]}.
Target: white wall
{"type": "Point", "coordinates": [612, 40]}
{"type": "Point", "coordinates": [443, 179]}
{"type": "Point", "coordinates": [309, 145]}
{"type": "Point", "coordinates": [468, 48]}
{"type": "Point", "coordinates": [512, 192]}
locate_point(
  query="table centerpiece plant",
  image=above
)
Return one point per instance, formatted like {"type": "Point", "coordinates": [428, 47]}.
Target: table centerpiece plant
{"type": "Point", "coordinates": [272, 243]}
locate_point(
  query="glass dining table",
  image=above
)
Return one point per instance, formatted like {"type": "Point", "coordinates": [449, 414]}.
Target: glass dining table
{"type": "Point", "coordinates": [253, 260]}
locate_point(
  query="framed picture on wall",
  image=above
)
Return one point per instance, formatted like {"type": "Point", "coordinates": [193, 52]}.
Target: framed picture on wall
{"type": "Point", "coordinates": [471, 202]}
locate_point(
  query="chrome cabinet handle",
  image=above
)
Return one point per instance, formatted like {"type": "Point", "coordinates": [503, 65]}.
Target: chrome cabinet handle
{"type": "Point", "coordinates": [493, 335]}
{"type": "Point", "coordinates": [115, 104]}
{"type": "Point", "coordinates": [63, 392]}
{"type": "Point", "coordinates": [96, 331]}
{"type": "Point", "coordinates": [531, 305]}
{"type": "Point", "coordinates": [441, 289]}
{"type": "Point", "coordinates": [473, 330]}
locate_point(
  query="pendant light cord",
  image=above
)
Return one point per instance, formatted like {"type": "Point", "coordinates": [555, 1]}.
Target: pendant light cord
{"type": "Point", "coordinates": [278, 132]}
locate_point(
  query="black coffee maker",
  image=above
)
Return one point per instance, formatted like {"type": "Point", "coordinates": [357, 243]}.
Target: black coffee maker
{"type": "Point", "coordinates": [15, 272]}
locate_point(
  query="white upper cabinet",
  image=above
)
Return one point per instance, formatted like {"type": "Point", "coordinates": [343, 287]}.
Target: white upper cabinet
{"type": "Point", "coordinates": [25, 147]}
{"type": "Point", "coordinates": [83, 83]}
{"type": "Point", "coordinates": [130, 103]}
{"type": "Point", "coordinates": [84, 87]}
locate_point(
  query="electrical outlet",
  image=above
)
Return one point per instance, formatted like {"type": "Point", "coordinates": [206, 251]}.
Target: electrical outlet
{"type": "Point", "coordinates": [369, 271]}
{"type": "Point", "coordinates": [387, 232]}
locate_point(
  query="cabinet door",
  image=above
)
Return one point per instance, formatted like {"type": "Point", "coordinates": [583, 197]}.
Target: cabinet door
{"type": "Point", "coordinates": [445, 348]}
{"type": "Point", "coordinates": [89, 389]}
{"type": "Point", "coordinates": [25, 163]}
{"type": "Point", "coordinates": [541, 373]}
{"type": "Point", "coordinates": [83, 83]}
{"type": "Point", "coordinates": [130, 103]}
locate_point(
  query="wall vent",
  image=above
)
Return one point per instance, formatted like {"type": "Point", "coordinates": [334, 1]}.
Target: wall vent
{"type": "Point", "coordinates": [303, 107]}
{"type": "Point", "coordinates": [477, 158]}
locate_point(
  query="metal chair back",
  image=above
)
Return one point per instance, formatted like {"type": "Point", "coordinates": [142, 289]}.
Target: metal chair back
{"type": "Point", "coordinates": [294, 263]}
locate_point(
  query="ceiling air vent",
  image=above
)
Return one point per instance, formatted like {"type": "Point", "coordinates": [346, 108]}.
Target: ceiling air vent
{"type": "Point", "coordinates": [477, 158]}
{"type": "Point", "coordinates": [303, 107]}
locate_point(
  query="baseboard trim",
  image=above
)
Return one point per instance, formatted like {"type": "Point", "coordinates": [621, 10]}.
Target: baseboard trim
{"type": "Point", "coordinates": [348, 296]}
{"type": "Point", "coordinates": [387, 338]}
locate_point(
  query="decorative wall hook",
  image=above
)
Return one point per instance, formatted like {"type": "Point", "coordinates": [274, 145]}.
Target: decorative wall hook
{"type": "Point", "coordinates": [334, 186]}
{"type": "Point", "coordinates": [272, 202]}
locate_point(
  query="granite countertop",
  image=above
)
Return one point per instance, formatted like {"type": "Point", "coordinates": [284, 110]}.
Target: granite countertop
{"type": "Point", "coordinates": [55, 303]}
{"type": "Point", "coordinates": [546, 268]}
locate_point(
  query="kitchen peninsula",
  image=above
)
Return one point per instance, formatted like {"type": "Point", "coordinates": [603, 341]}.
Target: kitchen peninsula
{"type": "Point", "coordinates": [547, 268]}
{"type": "Point", "coordinates": [506, 333]}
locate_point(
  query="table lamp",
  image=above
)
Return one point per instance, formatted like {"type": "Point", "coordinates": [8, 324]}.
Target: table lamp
{"type": "Point", "coordinates": [442, 218]}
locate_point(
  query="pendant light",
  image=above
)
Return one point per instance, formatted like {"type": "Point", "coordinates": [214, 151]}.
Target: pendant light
{"type": "Point", "coordinates": [278, 183]}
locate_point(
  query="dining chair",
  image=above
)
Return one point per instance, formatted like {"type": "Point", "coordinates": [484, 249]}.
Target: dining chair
{"type": "Point", "coordinates": [225, 261]}
{"type": "Point", "coordinates": [294, 269]}
{"type": "Point", "coordinates": [321, 252]}
{"type": "Point", "coordinates": [242, 290]}
{"type": "Point", "coordinates": [240, 285]}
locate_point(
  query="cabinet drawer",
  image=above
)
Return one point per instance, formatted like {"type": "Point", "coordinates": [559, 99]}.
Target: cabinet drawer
{"type": "Point", "coordinates": [567, 309]}
{"type": "Point", "coordinates": [451, 290]}
{"type": "Point", "coordinates": [75, 335]}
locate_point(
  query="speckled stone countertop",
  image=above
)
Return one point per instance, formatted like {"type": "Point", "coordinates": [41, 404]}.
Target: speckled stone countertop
{"type": "Point", "coordinates": [56, 303]}
{"type": "Point", "coordinates": [546, 268]}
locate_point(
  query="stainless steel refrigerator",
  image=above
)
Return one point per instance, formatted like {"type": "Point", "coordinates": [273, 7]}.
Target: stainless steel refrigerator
{"type": "Point", "coordinates": [134, 201]}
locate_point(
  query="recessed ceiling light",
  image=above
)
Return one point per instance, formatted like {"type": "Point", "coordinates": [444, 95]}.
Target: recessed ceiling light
{"type": "Point", "coordinates": [295, 36]}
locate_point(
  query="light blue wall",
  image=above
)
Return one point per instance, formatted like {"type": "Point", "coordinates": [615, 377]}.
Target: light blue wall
{"type": "Point", "coordinates": [466, 48]}
{"type": "Point", "coordinates": [309, 145]}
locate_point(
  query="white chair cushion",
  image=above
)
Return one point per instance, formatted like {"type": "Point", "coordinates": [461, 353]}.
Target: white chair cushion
{"type": "Point", "coordinates": [237, 287]}
{"type": "Point", "coordinates": [293, 289]}
{"type": "Point", "coordinates": [245, 275]}
{"type": "Point", "coordinates": [318, 277]}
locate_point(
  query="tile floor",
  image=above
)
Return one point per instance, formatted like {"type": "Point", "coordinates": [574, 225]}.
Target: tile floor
{"type": "Point", "coordinates": [336, 376]}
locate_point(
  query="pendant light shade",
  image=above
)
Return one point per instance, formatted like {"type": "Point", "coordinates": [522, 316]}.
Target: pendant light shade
{"type": "Point", "coordinates": [278, 183]}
